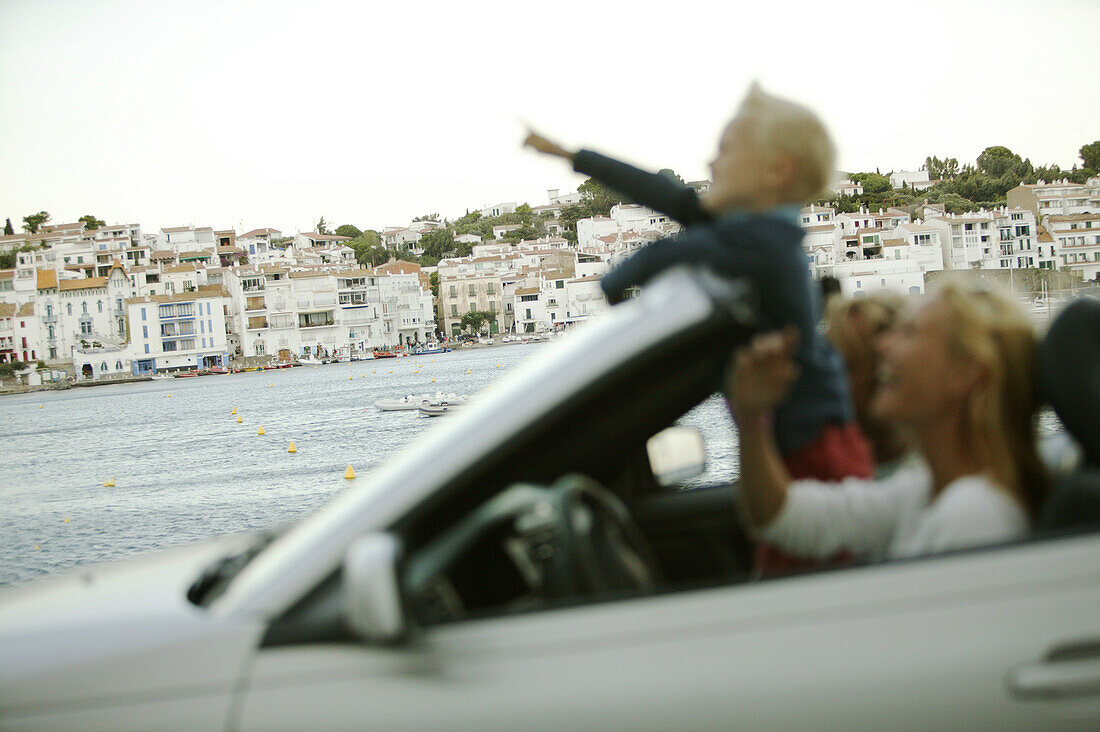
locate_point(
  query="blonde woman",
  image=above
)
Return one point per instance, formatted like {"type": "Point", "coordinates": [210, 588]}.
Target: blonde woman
{"type": "Point", "coordinates": [958, 373]}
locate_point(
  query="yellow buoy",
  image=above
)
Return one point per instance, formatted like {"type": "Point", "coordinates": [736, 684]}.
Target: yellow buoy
{"type": "Point", "coordinates": [109, 483]}
{"type": "Point", "coordinates": [270, 385]}
{"type": "Point", "coordinates": [234, 410]}
{"type": "Point", "coordinates": [66, 519]}
{"type": "Point", "coordinates": [292, 448]}
{"type": "Point", "coordinates": [433, 379]}
{"type": "Point", "coordinates": [498, 365]}
{"type": "Point", "coordinates": [349, 474]}
{"type": "Point", "coordinates": [391, 371]}
{"type": "Point", "coordinates": [41, 406]}
{"type": "Point", "coordinates": [261, 432]}
{"type": "Point", "coordinates": [169, 396]}
{"type": "Point", "coordinates": [239, 420]}
{"type": "Point", "coordinates": [468, 371]}
{"type": "Point", "coordinates": [36, 547]}
{"type": "Point", "coordinates": [350, 378]}
{"type": "Point", "coordinates": [417, 371]}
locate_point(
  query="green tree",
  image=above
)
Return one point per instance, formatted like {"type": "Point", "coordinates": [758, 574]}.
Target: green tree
{"type": "Point", "coordinates": [476, 319]}
{"type": "Point", "coordinates": [433, 280]}
{"type": "Point", "coordinates": [348, 230]}
{"type": "Point", "coordinates": [438, 243]}
{"type": "Point", "coordinates": [8, 231]}
{"type": "Point", "coordinates": [1090, 154]}
{"type": "Point", "coordinates": [32, 222]}
{"type": "Point", "coordinates": [427, 217]}
{"type": "Point", "coordinates": [91, 223]}
{"type": "Point", "coordinates": [322, 226]}
{"type": "Point", "coordinates": [670, 173]}
{"type": "Point", "coordinates": [997, 160]}
{"type": "Point", "coordinates": [872, 182]}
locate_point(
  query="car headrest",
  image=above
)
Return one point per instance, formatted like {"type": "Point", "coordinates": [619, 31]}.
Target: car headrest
{"type": "Point", "coordinates": [1070, 373]}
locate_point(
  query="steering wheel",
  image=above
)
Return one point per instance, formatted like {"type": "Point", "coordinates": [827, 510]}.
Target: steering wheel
{"type": "Point", "coordinates": [573, 539]}
{"type": "Point", "coordinates": [604, 551]}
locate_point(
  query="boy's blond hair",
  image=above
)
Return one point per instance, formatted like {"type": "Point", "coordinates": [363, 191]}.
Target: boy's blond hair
{"type": "Point", "coordinates": [786, 128]}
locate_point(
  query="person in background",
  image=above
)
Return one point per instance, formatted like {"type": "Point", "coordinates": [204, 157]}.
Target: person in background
{"type": "Point", "coordinates": [772, 157]}
{"type": "Point", "coordinates": [959, 373]}
{"type": "Point", "coordinates": [855, 327]}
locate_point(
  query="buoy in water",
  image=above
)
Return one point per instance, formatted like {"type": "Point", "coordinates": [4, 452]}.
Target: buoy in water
{"type": "Point", "coordinates": [350, 378]}
{"type": "Point", "coordinates": [66, 519]}
{"type": "Point", "coordinates": [498, 365]}
{"type": "Point", "coordinates": [41, 406]}
{"type": "Point", "coordinates": [270, 386]}
{"type": "Point", "coordinates": [239, 420]}
{"type": "Point", "coordinates": [234, 410]}
{"type": "Point", "coordinates": [391, 371]}
{"type": "Point", "coordinates": [109, 483]}
{"type": "Point", "coordinates": [261, 432]}
{"type": "Point", "coordinates": [169, 396]}
{"type": "Point", "coordinates": [36, 547]}
{"type": "Point", "coordinates": [292, 448]}
{"type": "Point", "coordinates": [433, 379]}
{"type": "Point", "coordinates": [468, 371]}
{"type": "Point", "coordinates": [349, 474]}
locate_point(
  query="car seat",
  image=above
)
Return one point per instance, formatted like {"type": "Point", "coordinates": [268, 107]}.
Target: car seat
{"type": "Point", "coordinates": [1070, 382]}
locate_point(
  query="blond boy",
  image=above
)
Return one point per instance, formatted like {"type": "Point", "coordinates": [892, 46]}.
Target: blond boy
{"type": "Point", "coordinates": [772, 157]}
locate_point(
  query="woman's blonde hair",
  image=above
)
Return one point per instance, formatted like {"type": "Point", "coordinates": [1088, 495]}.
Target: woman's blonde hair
{"type": "Point", "coordinates": [784, 127]}
{"type": "Point", "coordinates": [988, 327]}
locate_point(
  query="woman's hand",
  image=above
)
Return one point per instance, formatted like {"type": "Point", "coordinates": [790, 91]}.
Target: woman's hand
{"type": "Point", "coordinates": [761, 373]}
{"type": "Point", "coordinates": [537, 142]}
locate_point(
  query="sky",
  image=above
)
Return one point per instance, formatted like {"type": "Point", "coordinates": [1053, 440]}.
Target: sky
{"type": "Point", "coordinates": [243, 115]}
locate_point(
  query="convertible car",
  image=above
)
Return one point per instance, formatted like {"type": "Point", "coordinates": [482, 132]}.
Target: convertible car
{"type": "Point", "coordinates": [546, 570]}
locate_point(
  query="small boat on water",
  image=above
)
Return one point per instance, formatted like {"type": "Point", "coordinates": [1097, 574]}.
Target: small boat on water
{"type": "Point", "coordinates": [384, 354]}
{"type": "Point", "coordinates": [430, 350]}
{"type": "Point", "coordinates": [184, 374]}
{"type": "Point", "coordinates": [410, 402]}
{"type": "Point", "coordinates": [429, 410]}
{"type": "Point", "coordinates": [308, 361]}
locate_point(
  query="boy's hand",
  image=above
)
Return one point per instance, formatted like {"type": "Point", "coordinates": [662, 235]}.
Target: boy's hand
{"type": "Point", "coordinates": [538, 142]}
{"type": "Point", "coordinates": [761, 373]}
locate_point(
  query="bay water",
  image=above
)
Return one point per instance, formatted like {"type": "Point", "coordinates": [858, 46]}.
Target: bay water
{"type": "Point", "coordinates": [184, 469]}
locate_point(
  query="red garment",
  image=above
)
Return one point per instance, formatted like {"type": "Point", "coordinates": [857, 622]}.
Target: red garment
{"type": "Point", "coordinates": [840, 451]}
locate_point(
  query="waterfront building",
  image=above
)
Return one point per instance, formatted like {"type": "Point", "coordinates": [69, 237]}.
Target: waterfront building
{"type": "Point", "coordinates": [169, 333]}
{"type": "Point", "coordinates": [1076, 242]}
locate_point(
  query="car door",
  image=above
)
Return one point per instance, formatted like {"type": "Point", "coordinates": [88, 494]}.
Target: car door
{"type": "Point", "coordinates": [1000, 638]}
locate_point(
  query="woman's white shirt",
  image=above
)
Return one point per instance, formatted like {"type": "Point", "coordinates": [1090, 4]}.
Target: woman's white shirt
{"type": "Point", "coordinates": [895, 516]}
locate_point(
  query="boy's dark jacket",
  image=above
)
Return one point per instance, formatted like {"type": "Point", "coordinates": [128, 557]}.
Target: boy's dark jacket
{"type": "Point", "coordinates": [765, 248]}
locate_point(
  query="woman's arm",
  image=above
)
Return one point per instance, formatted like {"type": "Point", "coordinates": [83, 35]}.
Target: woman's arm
{"type": "Point", "coordinates": [757, 381]}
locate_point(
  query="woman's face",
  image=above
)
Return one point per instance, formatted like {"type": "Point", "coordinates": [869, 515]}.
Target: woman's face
{"type": "Point", "coordinates": [920, 381]}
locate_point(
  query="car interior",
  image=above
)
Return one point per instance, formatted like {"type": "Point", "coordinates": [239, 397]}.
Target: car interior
{"type": "Point", "coordinates": [569, 511]}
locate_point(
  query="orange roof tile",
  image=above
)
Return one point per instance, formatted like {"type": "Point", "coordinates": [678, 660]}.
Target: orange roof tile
{"type": "Point", "coordinates": [86, 283]}
{"type": "Point", "coordinates": [47, 279]}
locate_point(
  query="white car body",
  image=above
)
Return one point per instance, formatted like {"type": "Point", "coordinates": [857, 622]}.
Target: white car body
{"type": "Point", "coordinates": [959, 640]}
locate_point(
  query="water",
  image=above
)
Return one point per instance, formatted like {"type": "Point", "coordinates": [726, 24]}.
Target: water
{"type": "Point", "coordinates": [184, 470]}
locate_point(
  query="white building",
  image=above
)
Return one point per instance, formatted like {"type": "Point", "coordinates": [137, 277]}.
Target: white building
{"type": "Point", "coordinates": [916, 179]}
{"type": "Point", "coordinates": [1060, 198]}
{"type": "Point", "coordinates": [177, 332]}
{"type": "Point", "coordinates": [1076, 243]}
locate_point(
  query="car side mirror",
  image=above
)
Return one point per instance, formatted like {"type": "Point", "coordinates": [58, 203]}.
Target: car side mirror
{"type": "Point", "coordinates": [676, 454]}
{"type": "Point", "coordinates": [371, 601]}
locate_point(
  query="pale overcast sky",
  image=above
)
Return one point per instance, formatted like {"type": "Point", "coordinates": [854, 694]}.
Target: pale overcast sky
{"type": "Point", "coordinates": [252, 114]}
